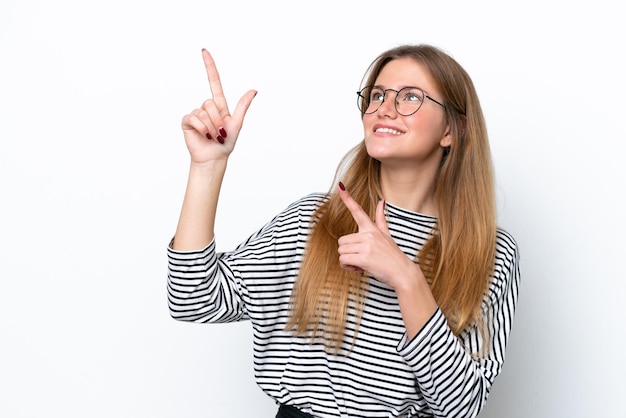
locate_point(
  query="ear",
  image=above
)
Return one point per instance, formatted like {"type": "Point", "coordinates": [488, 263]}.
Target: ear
{"type": "Point", "coordinates": [446, 140]}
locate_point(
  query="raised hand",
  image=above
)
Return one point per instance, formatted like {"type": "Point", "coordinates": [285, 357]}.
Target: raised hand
{"type": "Point", "coordinates": [211, 131]}
{"type": "Point", "coordinates": [372, 249]}
{"type": "Point", "coordinates": [210, 134]}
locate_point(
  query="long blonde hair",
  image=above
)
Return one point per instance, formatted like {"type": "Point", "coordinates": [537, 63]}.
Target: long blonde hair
{"type": "Point", "coordinates": [457, 260]}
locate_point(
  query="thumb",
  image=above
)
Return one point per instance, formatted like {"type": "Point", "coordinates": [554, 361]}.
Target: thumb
{"type": "Point", "coordinates": [243, 105]}
{"type": "Point", "coordinates": [381, 220]}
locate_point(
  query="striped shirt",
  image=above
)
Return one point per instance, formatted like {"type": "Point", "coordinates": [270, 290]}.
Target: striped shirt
{"type": "Point", "coordinates": [381, 373]}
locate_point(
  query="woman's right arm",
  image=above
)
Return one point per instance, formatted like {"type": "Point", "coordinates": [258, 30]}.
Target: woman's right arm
{"type": "Point", "coordinates": [210, 135]}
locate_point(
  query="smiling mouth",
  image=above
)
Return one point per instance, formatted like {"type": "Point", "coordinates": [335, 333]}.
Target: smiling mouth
{"type": "Point", "coordinates": [388, 131]}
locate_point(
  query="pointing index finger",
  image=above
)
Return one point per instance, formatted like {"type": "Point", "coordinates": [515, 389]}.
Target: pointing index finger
{"type": "Point", "coordinates": [214, 78]}
{"type": "Point", "coordinates": [362, 219]}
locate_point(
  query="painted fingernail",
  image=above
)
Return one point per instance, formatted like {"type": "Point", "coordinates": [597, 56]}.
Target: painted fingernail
{"type": "Point", "coordinates": [220, 139]}
{"type": "Point", "coordinates": [208, 136]}
{"type": "Point", "coordinates": [223, 132]}
{"type": "Point", "coordinates": [341, 186]}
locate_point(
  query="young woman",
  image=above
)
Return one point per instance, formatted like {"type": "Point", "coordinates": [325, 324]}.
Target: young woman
{"type": "Point", "coordinates": [393, 294]}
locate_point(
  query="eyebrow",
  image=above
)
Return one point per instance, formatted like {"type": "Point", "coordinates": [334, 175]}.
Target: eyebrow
{"type": "Point", "coordinates": [403, 87]}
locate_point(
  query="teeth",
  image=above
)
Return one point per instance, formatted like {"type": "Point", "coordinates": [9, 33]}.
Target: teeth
{"type": "Point", "coordinates": [388, 131]}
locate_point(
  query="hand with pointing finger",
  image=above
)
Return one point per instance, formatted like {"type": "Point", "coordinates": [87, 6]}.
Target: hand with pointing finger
{"type": "Point", "coordinates": [372, 249]}
{"type": "Point", "coordinates": [211, 131]}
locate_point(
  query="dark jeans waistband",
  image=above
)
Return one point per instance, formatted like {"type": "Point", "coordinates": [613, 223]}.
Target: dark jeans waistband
{"type": "Point", "coordinates": [288, 411]}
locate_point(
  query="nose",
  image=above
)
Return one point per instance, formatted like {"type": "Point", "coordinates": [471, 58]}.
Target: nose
{"type": "Point", "coordinates": [388, 106]}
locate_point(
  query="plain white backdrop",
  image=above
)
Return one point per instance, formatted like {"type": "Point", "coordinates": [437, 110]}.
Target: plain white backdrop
{"type": "Point", "coordinates": [93, 168]}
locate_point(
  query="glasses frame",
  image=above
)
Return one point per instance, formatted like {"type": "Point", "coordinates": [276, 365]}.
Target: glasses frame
{"type": "Point", "coordinates": [361, 99]}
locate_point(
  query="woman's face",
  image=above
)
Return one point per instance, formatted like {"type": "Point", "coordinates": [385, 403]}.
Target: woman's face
{"type": "Point", "coordinates": [412, 141]}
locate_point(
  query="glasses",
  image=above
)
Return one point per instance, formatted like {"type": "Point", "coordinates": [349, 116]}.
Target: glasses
{"type": "Point", "coordinates": [408, 99]}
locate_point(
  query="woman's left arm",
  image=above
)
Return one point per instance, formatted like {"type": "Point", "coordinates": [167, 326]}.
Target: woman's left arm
{"type": "Point", "coordinates": [455, 374]}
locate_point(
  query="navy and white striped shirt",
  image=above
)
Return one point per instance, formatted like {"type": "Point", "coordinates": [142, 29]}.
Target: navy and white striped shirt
{"type": "Point", "coordinates": [385, 374]}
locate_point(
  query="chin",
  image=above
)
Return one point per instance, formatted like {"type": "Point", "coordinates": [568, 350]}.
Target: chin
{"type": "Point", "coordinates": [378, 151]}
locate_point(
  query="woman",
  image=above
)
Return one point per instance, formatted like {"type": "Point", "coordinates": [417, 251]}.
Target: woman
{"type": "Point", "coordinates": [390, 296]}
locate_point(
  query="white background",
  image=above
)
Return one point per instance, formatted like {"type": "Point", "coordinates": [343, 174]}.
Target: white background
{"type": "Point", "coordinates": [93, 169]}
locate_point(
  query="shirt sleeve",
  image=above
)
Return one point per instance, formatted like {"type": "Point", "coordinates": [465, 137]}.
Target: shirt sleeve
{"type": "Point", "coordinates": [455, 374]}
{"type": "Point", "coordinates": [201, 289]}
{"type": "Point", "coordinates": [207, 286]}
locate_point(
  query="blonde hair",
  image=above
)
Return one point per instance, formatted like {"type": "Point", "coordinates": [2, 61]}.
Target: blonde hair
{"type": "Point", "coordinates": [457, 260]}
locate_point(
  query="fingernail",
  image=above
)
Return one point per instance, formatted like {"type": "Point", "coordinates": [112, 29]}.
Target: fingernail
{"type": "Point", "coordinates": [208, 136]}
{"type": "Point", "coordinates": [220, 139]}
{"type": "Point", "coordinates": [341, 186]}
{"type": "Point", "coordinates": [223, 132]}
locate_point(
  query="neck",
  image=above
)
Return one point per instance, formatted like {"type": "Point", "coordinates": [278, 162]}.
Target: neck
{"type": "Point", "coordinates": [410, 189]}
